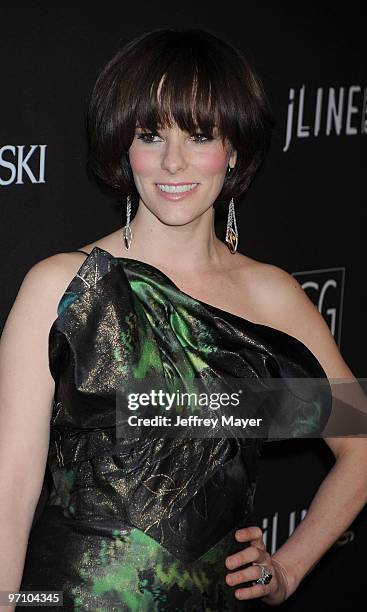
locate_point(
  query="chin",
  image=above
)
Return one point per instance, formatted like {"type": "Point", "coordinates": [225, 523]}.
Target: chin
{"type": "Point", "coordinates": [178, 212]}
{"type": "Point", "coordinates": [175, 217]}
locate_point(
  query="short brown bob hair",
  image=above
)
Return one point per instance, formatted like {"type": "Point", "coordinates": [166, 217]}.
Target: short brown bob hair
{"type": "Point", "coordinates": [206, 82]}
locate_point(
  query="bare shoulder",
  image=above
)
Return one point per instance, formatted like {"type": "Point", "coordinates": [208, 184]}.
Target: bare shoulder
{"type": "Point", "coordinates": [46, 281]}
{"type": "Point", "coordinates": [280, 300]}
{"type": "Point", "coordinates": [55, 271]}
{"type": "Point", "coordinates": [283, 304]}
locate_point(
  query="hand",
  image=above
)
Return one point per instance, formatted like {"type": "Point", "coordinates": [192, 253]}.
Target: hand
{"type": "Point", "coordinates": [279, 588]}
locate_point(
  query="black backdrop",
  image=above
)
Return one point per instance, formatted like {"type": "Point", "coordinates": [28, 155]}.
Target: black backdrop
{"type": "Point", "coordinates": [305, 211]}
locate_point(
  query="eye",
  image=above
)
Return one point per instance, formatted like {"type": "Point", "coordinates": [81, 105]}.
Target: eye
{"type": "Point", "coordinates": [200, 137]}
{"type": "Point", "coordinates": [147, 136]}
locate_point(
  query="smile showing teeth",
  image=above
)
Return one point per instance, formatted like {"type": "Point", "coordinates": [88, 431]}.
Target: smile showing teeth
{"type": "Point", "coordinates": [176, 188]}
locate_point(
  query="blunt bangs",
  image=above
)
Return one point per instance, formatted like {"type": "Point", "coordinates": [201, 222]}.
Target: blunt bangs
{"type": "Point", "coordinates": [185, 102]}
{"type": "Point", "coordinates": [189, 78]}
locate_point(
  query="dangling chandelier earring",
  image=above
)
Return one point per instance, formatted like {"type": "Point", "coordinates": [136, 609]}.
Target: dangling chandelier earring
{"type": "Point", "coordinates": [232, 232]}
{"type": "Point", "coordinates": [127, 232]}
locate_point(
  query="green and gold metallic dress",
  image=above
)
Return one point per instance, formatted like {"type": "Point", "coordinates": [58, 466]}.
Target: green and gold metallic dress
{"type": "Point", "coordinates": [144, 524]}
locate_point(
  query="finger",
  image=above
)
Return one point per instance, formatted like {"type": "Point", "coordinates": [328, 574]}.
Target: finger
{"type": "Point", "coordinates": [247, 555]}
{"type": "Point", "coordinates": [245, 575]}
{"type": "Point", "coordinates": [258, 590]}
{"type": "Point", "coordinates": [249, 533]}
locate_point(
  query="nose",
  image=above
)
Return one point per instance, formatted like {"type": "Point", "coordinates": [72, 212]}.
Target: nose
{"type": "Point", "coordinates": [174, 158]}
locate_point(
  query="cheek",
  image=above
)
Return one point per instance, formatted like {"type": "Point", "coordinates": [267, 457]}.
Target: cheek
{"type": "Point", "coordinates": [141, 161]}
{"type": "Point", "coordinates": [214, 162]}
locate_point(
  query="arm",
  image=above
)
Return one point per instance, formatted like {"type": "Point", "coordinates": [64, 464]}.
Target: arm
{"type": "Point", "coordinates": [343, 493]}
{"type": "Point", "coordinates": [26, 391]}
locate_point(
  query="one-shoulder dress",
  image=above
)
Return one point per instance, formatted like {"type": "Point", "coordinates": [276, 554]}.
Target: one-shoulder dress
{"type": "Point", "coordinates": [145, 524]}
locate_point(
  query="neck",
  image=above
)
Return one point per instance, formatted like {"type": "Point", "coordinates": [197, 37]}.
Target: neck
{"type": "Point", "coordinates": [184, 249]}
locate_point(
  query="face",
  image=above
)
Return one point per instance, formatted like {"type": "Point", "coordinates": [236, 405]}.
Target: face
{"type": "Point", "coordinates": [179, 175]}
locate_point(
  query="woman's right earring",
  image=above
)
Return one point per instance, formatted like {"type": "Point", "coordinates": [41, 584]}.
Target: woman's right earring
{"type": "Point", "coordinates": [127, 232]}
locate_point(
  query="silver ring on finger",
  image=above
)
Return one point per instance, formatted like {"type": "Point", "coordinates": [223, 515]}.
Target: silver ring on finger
{"type": "Point", "coordinates": [265, 577]}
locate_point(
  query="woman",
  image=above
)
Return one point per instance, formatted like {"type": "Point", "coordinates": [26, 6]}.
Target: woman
{"type": "Point", "coordinates": [179, 124]}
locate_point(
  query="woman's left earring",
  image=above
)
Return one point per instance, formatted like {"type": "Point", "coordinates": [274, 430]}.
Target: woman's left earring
{"type": "Point", "coordinates": [232, 232]}
{"type": "Point", "coordinates": [127, 232]}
